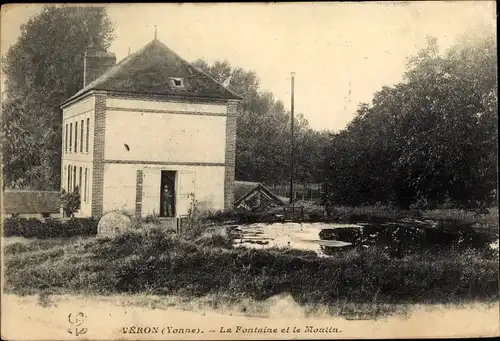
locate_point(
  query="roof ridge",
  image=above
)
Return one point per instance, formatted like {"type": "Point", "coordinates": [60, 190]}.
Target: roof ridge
{"type": "Point", "coordinates": [111, 71]}
{"type": "Point", "coordinates": [267, 191]}
{"type": "Point", "coordinates": [190, 65]}
{"type": "Point", "coordinates": [101, 82]}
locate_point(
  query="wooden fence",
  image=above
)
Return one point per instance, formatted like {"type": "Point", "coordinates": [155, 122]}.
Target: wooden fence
{"type": "Point", "coordinates": [307, 191]}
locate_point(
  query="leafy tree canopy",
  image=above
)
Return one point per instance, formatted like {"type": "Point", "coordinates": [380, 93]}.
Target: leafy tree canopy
{"type": "Point", "coordinates": [263, 131]}
{"type": "Point", "coordinates": [43, 68]}
{"type": "Point", "coordinates": [429, 140]}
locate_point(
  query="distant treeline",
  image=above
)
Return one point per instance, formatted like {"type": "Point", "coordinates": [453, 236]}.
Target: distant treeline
{"type": "Point", "coordinates": [429, 141]}
{"type": "Point", "coordinates": [263, 135]}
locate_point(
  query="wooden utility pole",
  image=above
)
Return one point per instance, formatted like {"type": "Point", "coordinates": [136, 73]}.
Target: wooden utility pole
{"type": "Point", "coordinates": [292, 161]}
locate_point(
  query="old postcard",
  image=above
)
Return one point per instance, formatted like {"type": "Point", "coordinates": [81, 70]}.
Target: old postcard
{"type": "Point", "coordinates": [235, 171]}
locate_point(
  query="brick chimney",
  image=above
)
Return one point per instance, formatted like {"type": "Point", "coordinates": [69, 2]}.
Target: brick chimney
{"type": "Point", "coordinates": [95, 63]}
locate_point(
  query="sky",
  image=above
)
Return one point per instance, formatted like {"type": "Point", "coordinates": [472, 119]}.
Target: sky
{"type": "Point", "coordinates": [341, 53]}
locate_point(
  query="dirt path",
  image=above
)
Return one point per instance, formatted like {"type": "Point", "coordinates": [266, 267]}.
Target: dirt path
{"type": "Point", "coordinates": [116, 317]}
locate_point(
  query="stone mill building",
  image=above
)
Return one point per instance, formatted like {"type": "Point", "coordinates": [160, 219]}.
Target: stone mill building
{"type": "Point", "coordinates": [150, 122]}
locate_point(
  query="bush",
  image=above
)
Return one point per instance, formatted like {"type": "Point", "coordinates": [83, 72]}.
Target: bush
{"type": "Point", "coordinates": [221, 216]}
{"type": "Point", "coordinates": [199, 221]}
{"type": "Point", "coordinates": [378, 214]}
{"type": "Point", "coordinates": [151, 219]}
{"type": "Point", "coordinates": [215, 239]}
{"type": "Point", "coordinates": [80, 227]}
{"type": "Point", "coordinates": [49, 228]}
{"type": "Point", "coordinates": [70, 201]}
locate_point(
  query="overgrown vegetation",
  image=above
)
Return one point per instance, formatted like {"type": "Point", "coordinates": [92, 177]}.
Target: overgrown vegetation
{"type": "Point", "coordinates": [428, 142]}
{"type": "Point", "coordinates": [314, 212]}
{"type": "Point", "coordinates": [201, 262]}
{"type": "Point", "coordinates": [49, 228]}
{"type": "Point", "coordinates": [153, 261]}
{"type": "Point", "coordinates": [43, 68]}
{"type": "Point", "coordinates": [70, 201]}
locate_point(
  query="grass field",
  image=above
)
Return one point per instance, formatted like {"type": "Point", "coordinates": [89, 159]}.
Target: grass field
{"type": "Point", "coordinates": [153, 261]}
{"type": "Point", "coordinates": [201, 266]}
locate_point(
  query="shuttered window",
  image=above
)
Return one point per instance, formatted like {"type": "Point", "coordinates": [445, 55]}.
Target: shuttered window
{"type": "Point", "coordinates": [80, 182]}
{"type": "Point", "coordinates": [70, 136]}
{"type": "Point", "coordinates": [81, 136]}
{"type": "Point", "coordinates": [85, 188]}
{"type": "Point", "coordinates": [87, 136]}
{"type": "Point", "coordinates": [76, 136]}
{"type": "Point", "coordinates": [69, 178]}
{"type": "Point", "coordinates": [66, 139]}
{"type": "Point", "coordinates": [74, 178]}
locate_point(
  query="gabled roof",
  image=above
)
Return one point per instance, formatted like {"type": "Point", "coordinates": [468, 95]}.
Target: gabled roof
{"type": "Point", "coordinates": [241, 188]}
{"type": "Point", "coordinates": [148, 70]}
{"type": "Point", "coordinates": [245, 189]}
{"type": "Point", "coordinates": [25, 201]}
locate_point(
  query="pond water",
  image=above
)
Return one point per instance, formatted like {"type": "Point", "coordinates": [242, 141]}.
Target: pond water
{"type": "Point", "coordinates": [398, 239]}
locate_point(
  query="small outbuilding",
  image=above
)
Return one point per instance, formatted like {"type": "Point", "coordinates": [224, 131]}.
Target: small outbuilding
{"type": "Point", "coordinates": [31, 204]}
{"type": "Point", "coordinates": [254, 195]}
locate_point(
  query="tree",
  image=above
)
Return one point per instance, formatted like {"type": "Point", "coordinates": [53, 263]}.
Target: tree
{"type": "Point", "coordinates": [263, 131]}
{"type": "Point", "coordinates": [43, 68]}
{"type": "Point", "coordinates": [451, 116]}
{"type": "Point", "coordinates": [428, 140]}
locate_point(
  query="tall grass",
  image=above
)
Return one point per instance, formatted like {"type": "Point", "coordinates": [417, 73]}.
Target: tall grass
{"type": "Point", "coordinates": [489, 219]}
{"type": "Point", "coordinates": [156, 262]}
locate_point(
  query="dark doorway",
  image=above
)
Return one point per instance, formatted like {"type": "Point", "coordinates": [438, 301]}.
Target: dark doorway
{"type": "Point", "coordinates": [167, 194]}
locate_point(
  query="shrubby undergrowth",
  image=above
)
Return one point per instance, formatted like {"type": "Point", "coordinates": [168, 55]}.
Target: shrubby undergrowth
{"type": "Point", "coordinates": [49, 228]}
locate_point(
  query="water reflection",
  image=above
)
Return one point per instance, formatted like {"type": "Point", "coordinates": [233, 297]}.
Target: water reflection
{"type": "Point", "coordinates": [397, 239]}
{"type": "Point", "coordinates": [403, 238]}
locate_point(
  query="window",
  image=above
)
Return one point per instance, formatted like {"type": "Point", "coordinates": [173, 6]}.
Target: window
{"type": "Point", "coordinates": [66, 139]}
{"type": "Point", "coordinates": [177, 83]}
{"type": "Point", "coordinates": [87, 136]}
{"type": "Point", "coordinates": [85, 187]}
{"type": "Point", "coordinates": [70, 136]}
{"type": "Point", "coordinates": [45, 215]}
{"type": "Point", "coordinates": [76, 136]}
{"type": "Point", "coordinates": [69, 178]}
{"type": "Point", "coordinates": [74, 178]}
{"type": "Point", "coordinates": [80, 182]}
{"type": "Point", "coordinates": [81, 136]}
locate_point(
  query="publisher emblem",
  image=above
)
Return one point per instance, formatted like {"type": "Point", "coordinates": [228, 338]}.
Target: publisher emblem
{"type": "Point", "coordinates": [77, 320]}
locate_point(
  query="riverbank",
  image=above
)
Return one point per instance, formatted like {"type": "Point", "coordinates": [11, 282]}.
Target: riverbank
{"type": "Point", "coordinates": [156, 261]}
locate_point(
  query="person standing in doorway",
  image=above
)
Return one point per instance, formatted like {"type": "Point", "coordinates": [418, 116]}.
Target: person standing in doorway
{"type": "Point", "coordinates": [167, 202]}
